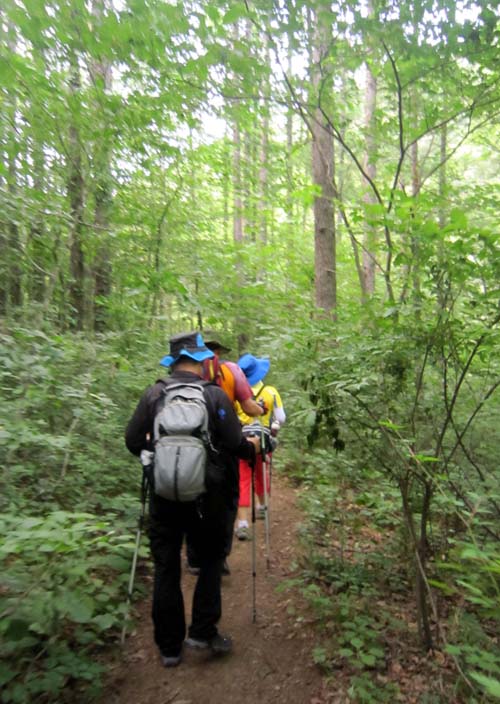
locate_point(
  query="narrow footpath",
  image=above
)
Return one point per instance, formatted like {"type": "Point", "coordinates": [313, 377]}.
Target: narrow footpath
{"type": "Point", "coordinates": [271, 662]}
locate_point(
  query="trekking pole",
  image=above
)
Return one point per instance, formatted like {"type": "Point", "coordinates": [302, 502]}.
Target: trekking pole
{"type": "Point", "coordinates": [269, 457]}
{"type": "Point", "coordinates": [266, 496]}
{"type": "Point", "coordinates": [146, 461]}
{"type": "Point", "coordinates": [254, 548]}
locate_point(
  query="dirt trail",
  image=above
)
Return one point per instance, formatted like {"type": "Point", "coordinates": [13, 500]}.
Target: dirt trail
{"type": "Point", "coordinates": [271, 661]}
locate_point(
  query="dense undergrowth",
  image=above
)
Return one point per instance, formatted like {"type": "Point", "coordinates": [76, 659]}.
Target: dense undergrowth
{"type": "Point", "coordinates": [69, 506]}
{"type": "Point", "coordinates": [357, 576]}
{"type": "Point", "coordinates": [398, 469]}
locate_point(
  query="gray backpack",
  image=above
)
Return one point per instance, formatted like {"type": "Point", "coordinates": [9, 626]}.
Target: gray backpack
{"type": "Point", "coordinates": [181, 439]}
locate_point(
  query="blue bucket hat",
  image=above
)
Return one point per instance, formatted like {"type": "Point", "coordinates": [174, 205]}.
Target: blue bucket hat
{"type": "Point", "coordinates": [187, 344]}
{"type": "Point", "coordinates": [255, 368]}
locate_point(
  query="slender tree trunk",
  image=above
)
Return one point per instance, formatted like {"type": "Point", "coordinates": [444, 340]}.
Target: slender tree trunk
{"type": "Point", "coordinates": [37, 235]}
{"type": "Point", "coordinates": [226, 185]}
{"type": "Point", "coordinates": [14, 242]}
{"type": "Point", "coordinates": [442, 283]}
{"type": "Point", "coordinates": [238, 225]}
{"type": "Point", "coordinates": [264, 157]}
{"type": "Point", "coordinates": [263, 175]}
{"type": "Point", "coordinates": [370, 235]}
{"type": "Point", "coordinates": [289, 146]}
{"type": "Point", "coordinates": [419, 549]}
{"type": "Point", "coordinates": [415, 187]}
{"type": "Point", "coordinates": [238, 220]}
{"type": "Point", "coordinates": [323, 177]}
{"type": "Point", "coordinates": [14, 258]}
{"type": "Point", "coordinates": [76, 202]}
{"type": "Point", "coordinates": [38, 244]}
{"type": "Point", "coordinates": [443, 147]}
{"type": "Point", "coordinates": [100, 72]}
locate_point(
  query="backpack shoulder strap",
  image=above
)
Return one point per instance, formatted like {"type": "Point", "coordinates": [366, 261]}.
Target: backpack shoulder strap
{"type": "Point", "coordinates": [260, 391]}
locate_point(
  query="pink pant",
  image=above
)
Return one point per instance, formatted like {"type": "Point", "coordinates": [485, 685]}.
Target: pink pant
{"type": "Point", "coordinates": [246, 480]}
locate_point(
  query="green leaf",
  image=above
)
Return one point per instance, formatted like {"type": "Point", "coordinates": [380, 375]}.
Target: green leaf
{"type": "Point", "coordinates": [6, 674]}
{"type": "Point", "coordinates": [235, 13]}
{"type": "Point", "coordinates": [77, 607]}
{"type": "Point", "coordinates": [367, 659]}
{"type": "Point", "coordinates": [17, 629]}
{"type": "Point", "coordinates": [491, 685]}
{"type": "Point", "coordinates": [105, 621]}
{"type": "Point", "coordinates": [459, 219]}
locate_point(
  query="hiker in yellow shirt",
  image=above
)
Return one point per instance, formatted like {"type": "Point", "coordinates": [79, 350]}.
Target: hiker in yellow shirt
{"type": "Point", "coordinates": [255, 370]}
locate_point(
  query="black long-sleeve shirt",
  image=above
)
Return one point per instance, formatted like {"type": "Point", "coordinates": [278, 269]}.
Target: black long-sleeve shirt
{"type": "Point", "coordinates": [224, 426]}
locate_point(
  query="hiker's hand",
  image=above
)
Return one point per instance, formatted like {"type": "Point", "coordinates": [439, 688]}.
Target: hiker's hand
{"type": "Point", "coordinates": [147, 458]}
{"type": "Point", "coordinates": [255, 440]}
{"type": "Point", "coordinates": [262, 404]}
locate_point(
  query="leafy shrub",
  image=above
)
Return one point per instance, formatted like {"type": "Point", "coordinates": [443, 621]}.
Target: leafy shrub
{"type": "Point", "coordinates": [61, 595]}
{"type": "Point", "coordinates": [69, 506]}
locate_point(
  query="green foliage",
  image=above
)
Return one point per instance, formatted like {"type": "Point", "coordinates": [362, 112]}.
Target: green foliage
{"type": "Point", "coordinates": [69, 508]}
{"type": "Point", "coordinates": [412, 393]}
{"type": "Point", "coordinates": [61, 597]}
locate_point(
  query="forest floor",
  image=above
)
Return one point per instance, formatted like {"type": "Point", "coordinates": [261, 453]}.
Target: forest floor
{"type": "Point", "coordinates": [272, 658]}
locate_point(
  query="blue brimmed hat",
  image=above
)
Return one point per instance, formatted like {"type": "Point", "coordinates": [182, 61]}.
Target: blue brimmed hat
{"type": "Point", "coordinates": [187, 344]}
{"type": "Point", "coordinates": [255, 368]}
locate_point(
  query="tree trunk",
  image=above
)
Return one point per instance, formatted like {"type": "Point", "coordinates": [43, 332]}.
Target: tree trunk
{"type": "Point", "coordinates": [37, 235]}
{"type": "Point", "coordinates": [442, 175]}
{"type": "Point", "coordinates": [419, 549]}
{"type": "Point", "coordinates": [415, 187]}
{"type": "Point", "coordinates": [13, 270]}
{"type": "Point", "coordinates": [323, 177]}
{"type": "Point", "coordinates": [238, 221]}
{"type": "Point", "coordinates": [370, 235]}
{"type": "Point", "coordinates": [238, 226]}
{"type": "Point", "coordinates": [76, 203]}
{"type": "Point", "coordinates": [100, 73]}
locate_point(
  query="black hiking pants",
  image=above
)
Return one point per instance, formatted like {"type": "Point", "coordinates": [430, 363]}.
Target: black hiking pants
{"type": "Point", "coordinates": [232, 493]}
{"type": "Point", "coordinates": [204, 525]}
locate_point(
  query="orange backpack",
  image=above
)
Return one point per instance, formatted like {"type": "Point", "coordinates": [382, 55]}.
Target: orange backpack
{"type": "Point", "coordinates": [221, 374]}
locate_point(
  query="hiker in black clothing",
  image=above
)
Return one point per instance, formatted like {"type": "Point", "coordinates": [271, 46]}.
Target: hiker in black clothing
{"type": "Point", "coordinates": [202, 521]}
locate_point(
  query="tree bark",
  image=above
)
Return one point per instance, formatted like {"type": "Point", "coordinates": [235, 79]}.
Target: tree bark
{"type": "Point", "coordinates": [14, 294]}
{"type": "Point", "coordinates": [370, 235]}
{"type": "Point", "coordinates": [76, 203]}
{"type": "Point", "coordinates": [323, 176]}
{"type": "Point", "coordinates": [100, 73]}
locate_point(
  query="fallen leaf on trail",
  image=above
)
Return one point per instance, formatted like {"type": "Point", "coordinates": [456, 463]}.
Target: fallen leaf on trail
{"type": "Point", "coordinates": [396, 668]}
{"type": "Point", "coordinates": [439, 656]}
{"type": "Point", "coordinates": [139, 655]}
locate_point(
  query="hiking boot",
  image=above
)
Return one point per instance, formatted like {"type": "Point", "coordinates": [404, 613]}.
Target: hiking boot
{"type": "Point", "coordinates": [171, 660]}
{"type": "Point", "coordinates": [261, 512]}
{"type": "Point", "coordinates": [225, 569]}
{"type": "Point", "coordinates": [219, 645]}
{"type": "Point", "coordinates": [242, 533]}
{"type": "Point", "coordinates": [192, 569]}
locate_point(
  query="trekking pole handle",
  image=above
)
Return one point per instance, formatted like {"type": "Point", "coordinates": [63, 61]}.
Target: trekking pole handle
{"type": "Point", "coordinates": [147, 462]}
{"type": "Point", "coordinates": [147, 458]}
